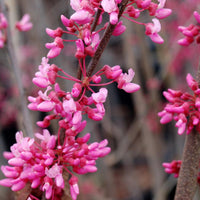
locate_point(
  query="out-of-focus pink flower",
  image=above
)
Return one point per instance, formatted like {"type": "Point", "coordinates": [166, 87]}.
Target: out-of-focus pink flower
{"type": "Point", "coordinates": [2, 39]}
{"type": "Point", "coordinates": [24, 24]}
{"type": "Point", "coordinates": [197, 16]}
{"type": "Point", "coordinates": [152, 30]}
{"type": "Point", "coordinates": [3, 21]}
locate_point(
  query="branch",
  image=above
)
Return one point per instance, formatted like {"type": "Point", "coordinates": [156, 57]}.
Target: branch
{"type": "Point", "coordinates": [104, 41]}
{"type": "Point", "coordinates": [187, 181]}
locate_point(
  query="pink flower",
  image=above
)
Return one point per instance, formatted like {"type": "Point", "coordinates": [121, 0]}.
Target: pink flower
{"type": "Point", "coordinates": [2, 39]}
{"type": "Point", "coordinates": [110, 6]}
{"type": "Point", "coordinates": [24, 24]}
{"type": "Point", "coordinates": [3, 21]}
{"type": "Point", "coordinates": [100, 97]}
{"type": "Point", "coordinates": [124, 82]}
{"type": "Point", "coordinates": [55, 47]}
{"type": "Point", "coordinates": [54, 33]}
{"type": "Point", "coordinates": [81, 17]}
{"type": "Point", "coordinates": [197, 16]}
{"type": "Point", "coordinates": [162, 12]}
{"type": "Point", "coordinates": [46, 74]}
{"type": "Point", "coordinates": [152, 30]}
{"type": "Point", "coordinates": [119, 29]}
{"type": "Point", "coordinates": [74, 189]}
{"type": "Point", "coordinates": [80, 49]}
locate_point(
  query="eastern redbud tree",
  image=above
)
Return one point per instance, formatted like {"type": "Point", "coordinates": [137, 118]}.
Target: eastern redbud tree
{"type": "Point", "coordinates": [50, 162]}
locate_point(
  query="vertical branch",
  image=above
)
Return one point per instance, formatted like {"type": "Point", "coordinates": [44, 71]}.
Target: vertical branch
{"type": "Point", "coordinates": [104, 41]}
{"type": "Point", "coordinates": [187, 181]}
{"type": "Point", "coordinates": [13, 62]}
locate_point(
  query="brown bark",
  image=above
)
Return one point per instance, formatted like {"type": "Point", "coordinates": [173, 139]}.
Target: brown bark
{"type": "Point", "coordinates": [187, 181]}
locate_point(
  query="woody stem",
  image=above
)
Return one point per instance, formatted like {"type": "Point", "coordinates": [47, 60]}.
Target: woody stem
{"type": "Point", "coordinates": [187, 181]}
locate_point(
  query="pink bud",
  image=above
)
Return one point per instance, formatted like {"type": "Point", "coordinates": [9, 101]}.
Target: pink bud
{"type": "Point", "coordinates": [163, 13]}
{"type": "Point", "coordinates": [6, 182]}
{"type": "Point", "coordinates": [18, 162]}
{"type": "Point", "coordinates": [197, 16]}
{"type": "Point", "coordinates": [3, 21]}
{"type": "Point", "coordinates": [18, 186]}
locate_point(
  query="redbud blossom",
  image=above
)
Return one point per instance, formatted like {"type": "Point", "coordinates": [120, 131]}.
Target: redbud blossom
{"type": "Point", "coordinates": [43, 163]}
{"type": "Point", "coordinates": [3, 21]}
{"type": "Point", "coordinates": [55, 47]}
{"type": "Point", "coordinates": [110, 6]}
{"type": "Point", "coordinates": [24, 24]}
{"type": "Point", "coordinates": [183, 107]}
{"type": "Point", "coordinates": [152, 30]}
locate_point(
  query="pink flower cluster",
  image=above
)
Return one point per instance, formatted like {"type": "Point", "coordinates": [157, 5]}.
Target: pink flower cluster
{"type": "Point", "coordinates": [70, 106]}
{"type": "Point", "coordinates": [183, 107]}
{"type": "Point", "coordinates": [41, 162]}
{"type": "Point", "coordinates": [173, 167]}
{"type": "Point", "coordinates": [191, 32]}
{"type": "Point", "coordinates": [155, 10]}
{"type": "Point", "coordinates": [23, 25]}
{"type": "Point", "coordinates": [80, 22]}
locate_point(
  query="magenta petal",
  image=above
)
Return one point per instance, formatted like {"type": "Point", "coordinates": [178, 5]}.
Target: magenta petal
{"type": "Point", "coordinates": [18, 186]}
{"type": "Point", "coordinates": [7, 182]}
{"type": "Point", "coordinates": [46, 106]}
{"type": "Point", "coordinates": [156, 38]}
{"type": "Point", "coordinates": [130, 87]}
{"type": "Point", "coordinates": [18, 162]}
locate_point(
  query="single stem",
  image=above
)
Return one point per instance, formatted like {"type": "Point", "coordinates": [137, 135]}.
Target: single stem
{"type": "Point", "coordinates": [13, 62]}
{"type": "Point", "coordinates": [104, 41]}
{"type": "Point", "coordinates": [187, 181]}
{"type": "Point", "coordinates": [94, 25]}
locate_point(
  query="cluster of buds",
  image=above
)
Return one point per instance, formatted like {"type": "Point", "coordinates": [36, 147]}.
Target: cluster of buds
{"type": "Point", "coordinates": [43, 163]}
{"type": "Point", "coordinates": [191, 32]}
{"type": "Point", "coordinates": [80, 24]}
{"type": "Point", "coordinates": [183, 107]}
{"type": "Point", "coordinates": [23, 25]}
{"type": "Point", "coordinates": [174, 168]}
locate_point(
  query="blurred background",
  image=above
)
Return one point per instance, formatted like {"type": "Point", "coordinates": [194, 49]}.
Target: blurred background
{"type": "Point", "coordinates": [133, 170]}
